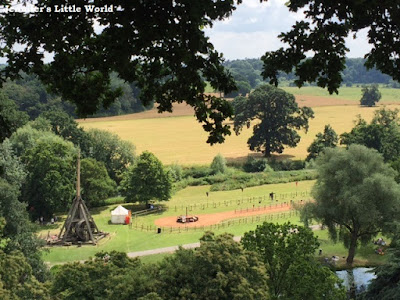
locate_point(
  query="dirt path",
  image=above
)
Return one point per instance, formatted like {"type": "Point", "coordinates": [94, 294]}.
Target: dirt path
{"type": "Point", "coordinates": [211, 219]}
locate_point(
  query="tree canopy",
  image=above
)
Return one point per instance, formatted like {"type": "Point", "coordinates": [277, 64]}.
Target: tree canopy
{"type": "Point", "coordinates": [109, 148]}
{"type": "Point", "coordinates": [382, 134]}
{"type": "Point", "coordinates": [356, 195]}
{"type": "Point", "coordinates": [279, 117]}
{"type": "Point", "coordinates": [218, 165]}
{"type": "Point", "coordinates": [16, 279]}
{"type": "Point", "coordinates": [219, 269]}
{"type": "Point", "coordinates": [327, 139]}
{"type": "Point", "coordinates": [146, 180]}
{"type": "Point", "coordinates": [249, 70]}
{"type": "Point", "coordinates": [285, 250]}
{"type": "Point", "coordinates": [159, 45]}
{"type": "Point", "coordinates": [53, 161]}
{"type": "Point", "coordinates": [95, 183]}
{"type": "Point", "coordinates": [324, 30]}
{"type": "Point", "coordinates": [15, 227]}
{"type": "Point", "coordinates": [10, 117]}
{"type": "Point", "coordinates": [386, 284]}
{"type": "Point", "coordinates": [370, 95]}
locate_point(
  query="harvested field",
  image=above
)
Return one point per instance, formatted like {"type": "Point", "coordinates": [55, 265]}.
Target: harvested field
{"type": "Point", "coordinates": [182, 139]}
{"type": "Point", "coordinates": [317, 101]}
{"type": "Point", "coordinates": [182, 109]}
{"type": "Point", "coordinates": [211, 219]}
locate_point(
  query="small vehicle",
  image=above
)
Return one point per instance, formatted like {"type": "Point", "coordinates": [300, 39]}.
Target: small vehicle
{"type": "Point", "coordinates": [187, 219]}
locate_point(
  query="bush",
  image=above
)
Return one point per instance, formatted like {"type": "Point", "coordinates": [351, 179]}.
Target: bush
{"type": "Point", "coordinates": [196, 181]}
{"type": "Point", "coordinates": [287, 165]}
{"type": "Point", "coordinates": [218, 164]}
{"type": "Point", "coordinates": [310, 165]}
{"type": "Point", "coordinates": [268, 169]}
{"type": "Point", "coordinates": [249, 180]}
{"type": "Point", "coordinates": [176, 172]}
{"type": "Point", "coordinates": [197, 172]}
{"type": "Point", "coordinates": [253, 165]}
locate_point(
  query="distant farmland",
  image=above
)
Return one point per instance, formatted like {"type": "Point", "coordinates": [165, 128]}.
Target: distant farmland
{"type": "Point", "coordinates": [179, 138]}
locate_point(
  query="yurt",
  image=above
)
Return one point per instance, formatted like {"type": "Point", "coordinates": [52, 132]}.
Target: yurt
{"type": "Point", "coordinates": [119, 214]}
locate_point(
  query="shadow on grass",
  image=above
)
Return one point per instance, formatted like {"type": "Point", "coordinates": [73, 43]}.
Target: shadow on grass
{"type": "Point", "coordinates": [46, 227]}
{"type": "Point", "coordinates": [98, 210]}
{"type": "Point", "coordinates": [233, 161]}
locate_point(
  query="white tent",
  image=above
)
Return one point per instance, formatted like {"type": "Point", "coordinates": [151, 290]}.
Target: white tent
{"type": "Point", "coordinates": [119, 214]}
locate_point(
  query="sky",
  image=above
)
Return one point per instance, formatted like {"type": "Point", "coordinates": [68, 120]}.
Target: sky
{"type": "Point", "coordinates": [254, 27]}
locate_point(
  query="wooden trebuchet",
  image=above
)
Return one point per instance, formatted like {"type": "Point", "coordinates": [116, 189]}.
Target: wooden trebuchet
{"type": "Point", "coordinates": [79, 225]}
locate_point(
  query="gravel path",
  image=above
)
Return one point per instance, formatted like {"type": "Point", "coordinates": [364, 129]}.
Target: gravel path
{"type": "Point", "coordinates": [172, 249]}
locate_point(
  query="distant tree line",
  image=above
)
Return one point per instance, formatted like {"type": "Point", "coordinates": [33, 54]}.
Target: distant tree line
{"type": "Point", "coordinates": [248, 71]}
{"type": "Point", "coordinates": [32, 97]}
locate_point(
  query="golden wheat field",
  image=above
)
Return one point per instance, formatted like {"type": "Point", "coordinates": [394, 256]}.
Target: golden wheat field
{"type": "Point", "coordinates": [179, 138]}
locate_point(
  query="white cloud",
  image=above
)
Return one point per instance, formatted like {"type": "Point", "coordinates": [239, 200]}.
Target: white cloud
{"type": "Point", "coordinates": [256, 4]}
{"type": "Point", "coordinates": [245, 44]}
{"type": "Point", "coordinates": [359, 46]}
{"type": "Point", "coordinates": [254, 27]}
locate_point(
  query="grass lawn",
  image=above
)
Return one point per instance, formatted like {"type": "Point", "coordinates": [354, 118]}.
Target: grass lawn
{"type": "Point", "coordinates": [365, 255]}
{"type": "Point", "coordinates": [123, 238]}
{"type": "Point", "coordinates": [349, 93]}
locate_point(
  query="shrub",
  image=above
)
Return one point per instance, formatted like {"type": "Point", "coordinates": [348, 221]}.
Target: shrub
{"type": "Point", "coordinates": [255, 165]}
{"type": "Point", "coordinates": [268, 169]}
{"type": "Point", "coordinates": [218, 164]}
{"type": "Point", "coordinates": [197, 172]}
{"type": "Point", "coordinates": [287, 165]}
{"type": "Point", "coordinates": [176, 172]}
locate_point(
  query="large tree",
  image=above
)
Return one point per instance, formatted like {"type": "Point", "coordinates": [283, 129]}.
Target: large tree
{"type": "Point", "coordinates": [327, 139]}
{"type": "Point", "coordinates": [18, 232]}
{"type": "Point", "coordinates": [116, 154]}
{"type": "Point", "coordinates": [160, 45]}
{"type": "Point", "coordinates": [51, 170]}
{"type": "Point", "coordinates": [382, 134]}
{"type": "Point", "coordinates": [98, 278]}
{"type": "Point", "coordinates": [65, 126]}
{"type": "Point", "coordinates": [356, 195]}
{"type": "Point", "coordinates": [17, 280]}
{"type": "Point", "coordinates": [219, 269]}
{"type": "Point", "coordinates": [10, 117]}
{"type": "Point", "coordinates": [146, 180]}
{"type": "Point", "coordinates": [243, 88]}
{"type": "Point", "coordinates": [370, 95]}
{"type": "Point", "coordinates": [279, 117]}
{"type": "Point", "coordinates": [326, 25]}
{"type": "Point", "coordinates": [285, 250]}
{"type": "Point", "coordinates": [95, 183]}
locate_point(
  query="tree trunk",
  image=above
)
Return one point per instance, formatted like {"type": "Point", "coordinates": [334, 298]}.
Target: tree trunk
{"type": "Point", "coordinates": [352, 248]}
{"type": "Point", "coordinates": [267, 152]}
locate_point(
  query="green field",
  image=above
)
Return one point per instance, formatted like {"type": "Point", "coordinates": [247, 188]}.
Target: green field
{"type": "Point", "coordinates": [127, 239]}
{"type": "Point", "coordinates": [353, 93]}
{"type": "Point", "coordinates": [123, 238]}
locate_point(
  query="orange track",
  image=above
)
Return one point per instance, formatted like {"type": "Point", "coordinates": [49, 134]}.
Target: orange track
{"type": "Point", "coordinates": [211, 219]}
